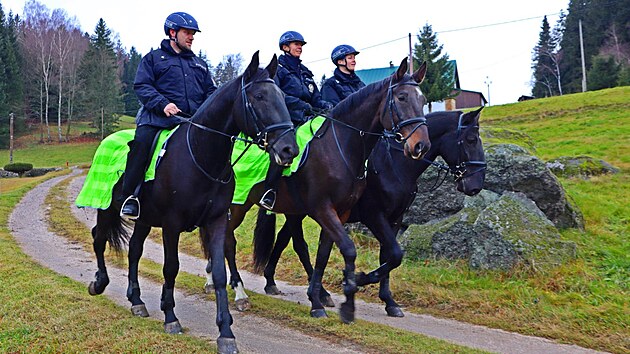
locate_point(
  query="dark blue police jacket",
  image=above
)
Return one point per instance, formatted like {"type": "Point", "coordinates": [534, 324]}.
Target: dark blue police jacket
{"type": "Point", "coordinates": [301, 92]}
{"type": "Point", "coordinates": [165, 76]}
{"type": "Point", "coordinates": [340, 86]}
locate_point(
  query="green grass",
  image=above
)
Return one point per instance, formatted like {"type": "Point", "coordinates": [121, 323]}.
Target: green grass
{"type": "Point", "coordinates": [368, 336]}
{"type": "Point", "coordinates": [584, 302]}
{"type": "Point", "coordinates": [42, 312]}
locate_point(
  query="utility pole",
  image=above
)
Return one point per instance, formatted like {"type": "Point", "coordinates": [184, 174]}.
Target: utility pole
{"type": "Point", "coordinates": [410, 57]}
{"type": "Point", "coordinates": [488, 82]}
{"type": "Point", "coordinates": [582, 53]}
{"type": "Point", "coordinates": [11, 137]}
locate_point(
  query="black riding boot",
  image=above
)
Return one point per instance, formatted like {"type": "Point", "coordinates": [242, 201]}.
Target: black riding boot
{"type": "Point", "coordinates": [137, 162]}
{"type": "Point", "coordinates": [268, 199]}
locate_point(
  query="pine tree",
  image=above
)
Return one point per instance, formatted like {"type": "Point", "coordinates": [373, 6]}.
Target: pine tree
{"type": "Point", "coordinates": [101, 96]}
{"type": "Point", "coordinates": [11, 88]}
{"type": "Point", "coordinates": [546, 74]}
{"type": "Point", "coordinates": [227, 69]}
{"type": "Point", "coordinates": [128, 77]}
{"type": "Point", "coordinates": [603, 74]}
{"type": "Point", "coordinates": [439, 82]}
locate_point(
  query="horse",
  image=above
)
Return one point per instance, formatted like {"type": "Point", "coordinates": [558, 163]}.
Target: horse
{"type": "Point", "coordinates": [193, 187]}
{"type": "Point", "coordinates": [391, 188]}
{"type": "Point", "coordinates": [332, 178]}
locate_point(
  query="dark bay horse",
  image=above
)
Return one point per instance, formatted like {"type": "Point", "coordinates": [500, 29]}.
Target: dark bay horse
{"type": "Point", "coordinates": [391, 188]}
{"type": "Point", "coordinates": [332, 179]}
{"type": "Point", "coordinates": [194, 185]}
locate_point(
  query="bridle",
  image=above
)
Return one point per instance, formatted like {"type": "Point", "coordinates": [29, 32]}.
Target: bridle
{"type": "Point", "coordinates": [394, 133]}
{"type": "Point", "coordinates": [460, 170]}
{"type": "Point", "coordinates": [261, 138]}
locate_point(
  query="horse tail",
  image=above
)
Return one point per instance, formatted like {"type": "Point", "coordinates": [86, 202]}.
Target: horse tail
{"type": "Point", "coordinates": [264, 237]}
{"type": "Point", "coordinates": [110, 225]}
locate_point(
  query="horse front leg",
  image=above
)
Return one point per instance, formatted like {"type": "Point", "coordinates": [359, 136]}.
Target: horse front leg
{"type": "Point", "coordinates": [315, 282]}
{"type": "Point", "coordinates": [99, 243]}
{"type": "Point", "coordinates": [170, 240]}
{"type": "Point", "coordinates": [241, 300]}
{"type": "Point", "coordinates": [214, 237]}
{"type": "Point", "coordinates": [136, 247]}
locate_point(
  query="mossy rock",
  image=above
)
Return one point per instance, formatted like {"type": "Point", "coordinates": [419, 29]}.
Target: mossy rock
{"type": "Point", "coordinates": [580, 166]}
{"type": "Point", "coordinates": [495, 135]}
{"type": "Point", "coordinates": [18, 167]}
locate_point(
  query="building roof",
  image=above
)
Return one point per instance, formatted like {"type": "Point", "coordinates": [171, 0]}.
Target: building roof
{"type": "Point", "coordinates": [369, 76]}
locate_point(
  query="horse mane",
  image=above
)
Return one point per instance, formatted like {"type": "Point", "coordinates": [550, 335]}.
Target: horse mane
{"type": "Point", "coordinates": [349, 103]}
{"type": "Point", "coordinates": [226, 89]}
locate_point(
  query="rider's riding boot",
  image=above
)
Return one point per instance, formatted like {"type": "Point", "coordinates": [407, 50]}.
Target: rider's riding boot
{"type": "Point", "coordinates": [268, 199]}
{"type": "Point", "coordinates": [130, 208]}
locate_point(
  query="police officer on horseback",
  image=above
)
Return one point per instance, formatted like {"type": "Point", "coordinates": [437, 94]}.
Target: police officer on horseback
{"type": "Point", "coordinates": [344, 81]}
{"type": "Point", "coordinates": [169, 81]}
{"type": "Point", "coordinates": [302, 97]}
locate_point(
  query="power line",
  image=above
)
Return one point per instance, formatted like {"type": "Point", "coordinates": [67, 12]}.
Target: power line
{"type": "Point", "coordinates": [448, 31]}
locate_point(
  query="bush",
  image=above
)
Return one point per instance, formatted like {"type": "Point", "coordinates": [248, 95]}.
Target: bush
{"type": "Point", "coordinates": [19, 167]}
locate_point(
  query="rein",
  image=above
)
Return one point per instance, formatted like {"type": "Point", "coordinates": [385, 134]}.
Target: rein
{"type": "Point", "coordinates": [261, 139]}
{"type": "Point", "coordinates": [394, 133]}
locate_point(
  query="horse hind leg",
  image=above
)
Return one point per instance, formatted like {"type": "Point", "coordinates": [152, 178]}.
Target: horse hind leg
{"type": "Point", "coordinates": [99, 243]}
{"type": "Point", "coordinates": [136, 247]}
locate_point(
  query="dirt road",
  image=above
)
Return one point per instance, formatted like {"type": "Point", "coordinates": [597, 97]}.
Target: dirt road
{"type": "Point", "coordinates": [254, 335]}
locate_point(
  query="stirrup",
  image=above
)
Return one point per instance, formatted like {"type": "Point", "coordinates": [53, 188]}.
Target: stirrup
{"type": "Point", "coordinates": [130, 199]}
{"type": "Point", "coordinates": [271, 194]}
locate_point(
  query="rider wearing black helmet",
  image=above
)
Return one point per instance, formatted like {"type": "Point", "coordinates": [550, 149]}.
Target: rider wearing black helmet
{"type": "Point", "coordinates": [169, 80]}
{"type": "Point", "coordinates": [302, 97]}
{"type": "Point", "coordinates": [344, 82]}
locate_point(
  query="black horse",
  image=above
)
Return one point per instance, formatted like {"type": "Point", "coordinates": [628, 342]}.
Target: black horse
{"type": "Point", "coordinates": [332, 179]}
{"type": "Point", "coordinates": [391, 188]}
{"type": "Point", "coordinates": [194, 185]}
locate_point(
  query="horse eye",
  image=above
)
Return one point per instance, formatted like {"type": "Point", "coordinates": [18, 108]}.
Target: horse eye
{"type": "Point", "coordinates": [259, 96]}
{"type": "Point", "coordinates": [471, 139]}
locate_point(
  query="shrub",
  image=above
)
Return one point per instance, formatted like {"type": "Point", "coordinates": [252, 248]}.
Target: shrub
{"type": "Point", "coordinates": [19, 167]}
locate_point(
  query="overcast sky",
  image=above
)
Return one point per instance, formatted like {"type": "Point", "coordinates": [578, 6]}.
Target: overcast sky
{"type": "Point", "coordinates": [491, 40]}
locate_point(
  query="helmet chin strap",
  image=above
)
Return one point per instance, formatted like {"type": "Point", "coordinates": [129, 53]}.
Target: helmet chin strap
{"type": "Point", "coordinates": [174, 39]}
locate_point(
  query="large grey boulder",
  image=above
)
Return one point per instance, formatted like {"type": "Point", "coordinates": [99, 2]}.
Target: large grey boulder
{"type": "Point", "coordinates": [492, 231]}
{"type": "Point", "coordinates": [512, 168]}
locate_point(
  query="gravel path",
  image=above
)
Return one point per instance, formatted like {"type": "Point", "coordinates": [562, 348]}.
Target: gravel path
{"type": "Point", "coordinates": [254, 334]}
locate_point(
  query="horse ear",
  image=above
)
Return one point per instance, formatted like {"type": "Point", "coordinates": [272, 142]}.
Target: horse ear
{"type": "Point", "coordinates": [418, 75]}
{"type": "Point", "coordinates": [472, 117]}
{"type": "Point", "coordinates": [402, 69]}
{"type": "Point", "coordinates": [252, 68]}
{"type": "Point", "coordinates": [272, 68]}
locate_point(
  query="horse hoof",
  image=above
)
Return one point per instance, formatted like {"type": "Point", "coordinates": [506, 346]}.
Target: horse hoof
{"type": "Point", "coordinates": [346, 313]}
{"type": "Point", "coordinates": [208, 288]}
{"type": "Point", "coordinates": [226, 345]}
{"type": "Point", "coordinates": [173, 328]}
{"type": "Point", "coordinates": [319, 313]}
{"type": "Point", "coordinates": [92, 289]}
{"type": "Point", "coordinates": [243, 305]}
{"type": "Point", "coordinates": [327, 301]}
{"type": "Point", "coordinates": [139, 310]}
{"type": "Point", "coordinates": [272, 290]}
{"type": "Point", "coordinates": [394, 311]}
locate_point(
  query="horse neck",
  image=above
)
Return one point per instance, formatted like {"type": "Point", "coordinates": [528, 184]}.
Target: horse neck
{"type": "Point", "coordinates": [215, 114]}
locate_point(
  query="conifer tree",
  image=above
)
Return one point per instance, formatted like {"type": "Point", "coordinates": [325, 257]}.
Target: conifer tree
{"type": "Point", "coordinates": [439, 81]}
{"type": "Point", "coordinates": [101, 96]}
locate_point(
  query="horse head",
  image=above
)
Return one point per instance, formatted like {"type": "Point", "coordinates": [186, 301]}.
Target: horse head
{"type": "Point", "coordinates": [264, 106]}
{"type": "Point", "coordinates": [470, 164]}
{"type": "Point", "coordinates": [403, 111]}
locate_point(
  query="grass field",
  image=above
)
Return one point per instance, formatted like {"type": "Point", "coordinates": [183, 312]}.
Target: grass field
{"type": "Point", "coordinates": [585, 302]}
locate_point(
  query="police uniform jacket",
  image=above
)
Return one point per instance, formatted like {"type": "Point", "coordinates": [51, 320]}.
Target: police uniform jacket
{"type": "Point", "coordinates": [340, 86]}
{"type": "Point", "coordinates": [165, 76]}
{"type": "Point", "coordinates": [301, 92]}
